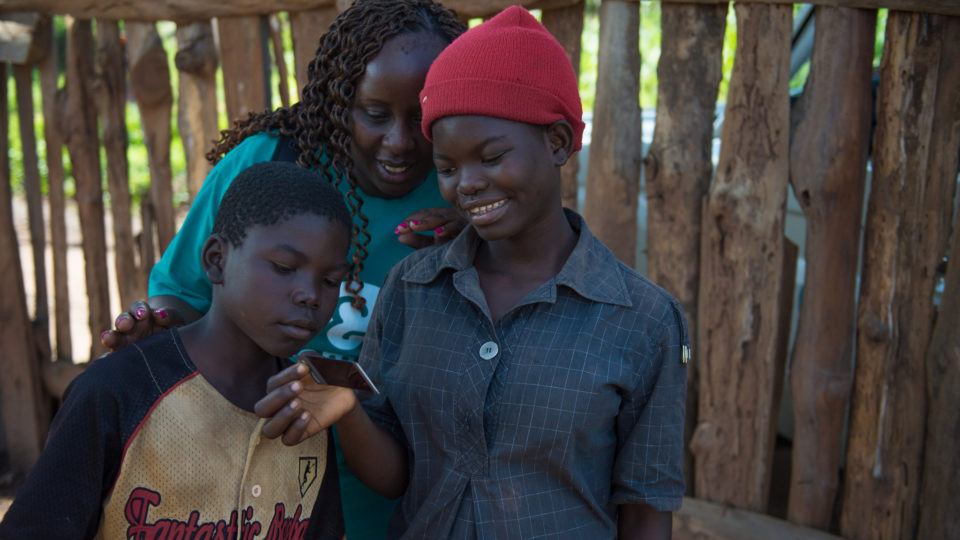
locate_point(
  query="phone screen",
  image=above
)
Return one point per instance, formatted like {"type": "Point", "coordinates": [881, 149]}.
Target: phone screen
{"type": "Point", "coordinates": [337, 372]}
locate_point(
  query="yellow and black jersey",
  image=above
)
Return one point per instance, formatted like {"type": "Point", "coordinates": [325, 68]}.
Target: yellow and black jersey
{"type": "Point", "coordinates": [145, 448]}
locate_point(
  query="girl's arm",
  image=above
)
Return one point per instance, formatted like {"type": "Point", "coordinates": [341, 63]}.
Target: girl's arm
{"type": "Point", "coordinates": [643, 522]}
{"type": "Point", "coordinates": [298, 408]}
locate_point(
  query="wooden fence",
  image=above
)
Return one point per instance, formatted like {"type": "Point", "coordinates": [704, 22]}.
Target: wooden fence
{"type": "Point", "coordinates": [874, 453]}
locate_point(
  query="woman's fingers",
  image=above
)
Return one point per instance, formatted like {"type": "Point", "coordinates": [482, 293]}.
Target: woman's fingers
{"type": "Point", "coordinates": [445, 223]}
{"type": "Point", "coordinates": [167, 318]}
{"type": "Point", "coordinates": [427, 219]}
{"type": "Point", "coordinates": [414, 240]}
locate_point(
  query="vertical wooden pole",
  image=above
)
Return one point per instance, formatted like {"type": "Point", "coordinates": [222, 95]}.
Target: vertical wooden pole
{"type": "Point", "coordinates": [911, 204]}
{"type": "Point", "coordinates": [241, 55]}
{"type": "Point", "coordinates": [741, 266]}
{"type": "Point", "coordinates": [80, 133]}
{"type": "Point", "coordinates": [112, 103]}
{"type": "Point", "coordinates": [306, 28]}
{"type": "Point", "coordinates": [150, 80]}
{"type": "Point", "coordinates": [19, 385]}
{"type": "Point", "coordinates": [148, 252]}
{"type": "Point", "coordinates": [196, 60]}
{"type": "Point", "coordinates": [55, 179]}
{"type": "Point", "coordinates": [613, 173]}
{"type": "Point", "coordinates": [276, 43]}
{"type": "Point", "coordinates": [566, 24]}
{"type": "Point", "coordinates": [828, 170]}
{"type": "Point", "coordinates": [23, 75]}
{"type": "Point", "coordinates": [678, 166]}
{"type": "Point", "coordinates": [940, 494]}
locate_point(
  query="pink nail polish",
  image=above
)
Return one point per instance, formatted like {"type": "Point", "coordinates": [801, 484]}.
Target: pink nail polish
{"type": "Point", "coordinates": [438, 230]}
{"type": "Point", "coordinates": [414, 222]}
{"type": "Point", "coordinates": [141, 313]}
{"type": "Point", "coordinates": [161, 313]}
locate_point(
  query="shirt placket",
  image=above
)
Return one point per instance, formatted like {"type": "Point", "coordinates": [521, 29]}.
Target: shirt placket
{"type": "Point", "coordinates": [482, 355]}
{"type": "Point", "coordinates": [250, 490]}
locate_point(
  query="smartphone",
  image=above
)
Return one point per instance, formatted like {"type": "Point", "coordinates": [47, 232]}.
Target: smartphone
{"type": "Point", "coordinates": [337, 372]}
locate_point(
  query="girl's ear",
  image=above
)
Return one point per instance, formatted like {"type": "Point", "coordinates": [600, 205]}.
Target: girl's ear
{"type": "Point", "coordinates": [560, 135]}
{"type": "Point", "coordinates": [214, 258]}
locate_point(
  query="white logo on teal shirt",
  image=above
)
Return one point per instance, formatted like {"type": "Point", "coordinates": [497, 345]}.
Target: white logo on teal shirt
{"type": "Point", "coordinates": [348, 325]}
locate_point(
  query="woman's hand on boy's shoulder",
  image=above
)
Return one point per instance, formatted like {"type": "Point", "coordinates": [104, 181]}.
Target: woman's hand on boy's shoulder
{"type": "Point", "coordinates": [297, 407]}
{"type": "Point", "coordinates": [446, 223]}
{"type": "Point", "coordinates": [140, 321]}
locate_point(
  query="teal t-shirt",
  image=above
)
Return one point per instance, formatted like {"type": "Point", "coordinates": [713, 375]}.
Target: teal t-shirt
{"type": "Point", "coordinates": [180, 273]}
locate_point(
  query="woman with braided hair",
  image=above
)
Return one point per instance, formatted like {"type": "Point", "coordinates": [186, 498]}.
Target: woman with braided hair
{"type": "Point", "coordinates": [358, 124]}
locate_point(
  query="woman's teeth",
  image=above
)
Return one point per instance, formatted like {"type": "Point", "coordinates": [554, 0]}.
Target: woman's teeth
{"type": "Point", "coordinates": [395, 169]}
{"type": "Point", "coordinates": [476, 211]}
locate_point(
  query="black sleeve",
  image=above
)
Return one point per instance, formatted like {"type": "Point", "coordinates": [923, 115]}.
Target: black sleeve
{"type": "Point", "coordinates": [62, 496]}
{"type": "Point", "coordinates": [326, 519]}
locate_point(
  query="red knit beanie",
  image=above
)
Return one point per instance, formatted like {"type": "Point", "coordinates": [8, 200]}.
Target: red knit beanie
{"type": "Point", "coordinates": [509, 67]}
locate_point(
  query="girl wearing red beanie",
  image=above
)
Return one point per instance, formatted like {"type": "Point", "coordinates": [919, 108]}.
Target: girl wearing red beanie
{"type": "Point", "coordinates": [532, 385]}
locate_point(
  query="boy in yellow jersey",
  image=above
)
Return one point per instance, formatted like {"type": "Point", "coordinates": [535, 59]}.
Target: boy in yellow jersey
{"type": "Point", "coordinates": [159, 440]}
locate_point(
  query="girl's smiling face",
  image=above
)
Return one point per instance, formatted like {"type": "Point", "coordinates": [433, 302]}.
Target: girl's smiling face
{"type": "Point", "coordinates": [390, 155]}
{"type": "Point", "coordinates": [502, 175]}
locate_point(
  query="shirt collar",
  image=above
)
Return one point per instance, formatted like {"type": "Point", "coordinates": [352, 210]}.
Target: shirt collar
{"type": "Point", "coordinates": [592, 271]}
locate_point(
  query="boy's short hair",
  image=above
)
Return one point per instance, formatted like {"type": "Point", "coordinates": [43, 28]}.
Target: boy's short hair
{"type": "Point", "coordinates": [271, 192]}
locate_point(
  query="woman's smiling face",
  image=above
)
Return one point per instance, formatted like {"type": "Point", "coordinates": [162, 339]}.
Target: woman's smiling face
{"type": "Point", "coordinates": [502, 175]}
{"type": "Point", "coordinates": [390, 155]}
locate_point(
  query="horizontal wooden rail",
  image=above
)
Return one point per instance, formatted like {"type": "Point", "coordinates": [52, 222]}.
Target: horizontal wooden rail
{"type": "Point", "coordinates": [701, 520]}
{"type": "Point", "coordinates": [945, 7]}
{"type": "Point", "coordinates": [187, 10]}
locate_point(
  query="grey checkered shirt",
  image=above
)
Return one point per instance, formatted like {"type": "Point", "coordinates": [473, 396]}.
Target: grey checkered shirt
{"type": "Point", "coordinates": [537, 425]}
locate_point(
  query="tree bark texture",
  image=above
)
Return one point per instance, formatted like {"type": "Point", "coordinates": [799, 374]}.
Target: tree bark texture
{"type": "Point", "coordinates": [306, 27]}
{"type": "Point", "coordinates": [242, 58]}
{"type": "Point", "coordinates": [150, 81]}
{"type": "Point", "coordinates": [80, 133]}
{"type": "Point", "coordinates": [613, 173]}
{"type": "Point", "coordinates": [19, 386]}
{"type": "Point", "coordinates": [112, 103]}
{"type": "Point", "coordinates": [940, 492]}
{"type": "Point", "coordinates": [906, 237]}
{"type": "Point", "coordinates": [55, 179]}
{"type": "Point", "coordinates": [566, 24]}
{"type": "Point", "coordinates": [197, 62]}
{"type": "Point", "coordinates": [741, 267]}
{"type": "Point", "coordinates": [678, 167]}
{"type": "Point", "coordinates": [23, 75]}
{"type": "Point", "coordinates": [828, 169]}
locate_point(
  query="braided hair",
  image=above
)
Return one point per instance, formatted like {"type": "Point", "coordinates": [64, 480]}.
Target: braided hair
{"type": "Point", "coordinates": [321, 119]}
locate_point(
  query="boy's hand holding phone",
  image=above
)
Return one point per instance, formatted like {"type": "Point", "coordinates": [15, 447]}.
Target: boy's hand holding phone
{"type": "Point", "coordinates": [297, 407]}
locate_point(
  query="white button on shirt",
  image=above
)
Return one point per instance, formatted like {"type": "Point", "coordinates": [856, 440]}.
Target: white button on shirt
{"type": "Point", "coordinates": [489, 350]}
